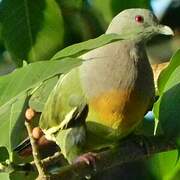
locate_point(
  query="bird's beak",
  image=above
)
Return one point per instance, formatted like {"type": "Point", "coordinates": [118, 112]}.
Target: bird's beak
{"type": "Point", "coordinates": [166, 30]}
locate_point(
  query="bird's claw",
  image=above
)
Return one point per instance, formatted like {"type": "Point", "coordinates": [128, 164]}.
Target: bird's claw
{"type": "Point", "coordinates": [89, 158]}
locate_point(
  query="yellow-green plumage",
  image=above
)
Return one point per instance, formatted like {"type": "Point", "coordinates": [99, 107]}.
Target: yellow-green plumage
{"type": "Point", "coordinates": [116, 84]}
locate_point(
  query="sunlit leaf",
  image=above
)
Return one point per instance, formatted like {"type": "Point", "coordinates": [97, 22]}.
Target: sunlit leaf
{"type": "Point", "coordinates": [166, 73]}
{"type": "Point", "coordinates": [163, 165]}
{"type": "Point", "coordinates": [32, 75]}
{"type": "Point", "coordinates": [4, 176]}
{"type": "Point", "coordinates": [83, 47]}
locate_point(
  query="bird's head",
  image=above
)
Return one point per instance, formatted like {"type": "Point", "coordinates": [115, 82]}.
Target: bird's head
{"type": "Point", "coordinates": [141, 24]}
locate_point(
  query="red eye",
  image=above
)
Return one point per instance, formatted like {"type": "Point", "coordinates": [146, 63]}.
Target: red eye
{"type": "Point", "coordinates": [139, 19]}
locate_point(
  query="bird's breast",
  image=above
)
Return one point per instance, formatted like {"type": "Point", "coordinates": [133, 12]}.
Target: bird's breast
{"type": "Point", "coordinates": [118, 109]}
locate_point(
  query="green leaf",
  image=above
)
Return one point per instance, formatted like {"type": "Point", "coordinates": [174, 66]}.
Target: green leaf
{"type": "Point", "coordinates": [163, 165]}
{"type": "Point", "coordinates": [4, 155]}
{"type": "Point", "coordinates": [32, 30]}
{"type": "Point", "coordinates": [117, 7]}
{"type": "Point", "coordinates": [169, 104]}
{"type": "Point", "coordinates": [110, 8]}
{"type": "Point", "coordinates": [83, 47]}
{"type": "Point", "coordinates": [30, 76]}
{"type": "Point", "coordinates": [4, 176]}
{"type": "Point", "coordinates": [166, 73]}
{"type": "Point", "coordinates": [104, 9]}
{"type": "Point", "coordinates": [71, 4]}
{"type": "Point", "coordinates": [166, 109]}
{"type": "Point", "coordinates": [81, 21]}
{"type": "Point", "coordinates": [78, 49]}
{"type": "Point", "coordinates": [39, 98]}
{"type": "Point", "coordinates": [13, 96]}
{"type": "Point", "coordinates": [146, 128]}
{"type": "Point", "coordinates": [12, 123]}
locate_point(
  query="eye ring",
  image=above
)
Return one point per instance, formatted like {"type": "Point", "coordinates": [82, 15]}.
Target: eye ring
{"type": "Point", "coordinates": [139, 19]}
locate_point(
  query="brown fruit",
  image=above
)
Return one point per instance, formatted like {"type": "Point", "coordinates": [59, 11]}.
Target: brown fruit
{"type": "Point", "coordinates": [37, 132]}
{"type": "Point", "coordinates": [29, 114]}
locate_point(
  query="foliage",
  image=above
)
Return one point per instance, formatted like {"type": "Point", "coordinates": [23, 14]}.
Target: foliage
{"type": "Point", "coordinates": [16, 88]}
{"type": "Point", "coordinates": [166, 108]}
{"type": "Point", "coordinates": [38, 26]}
{"type": "Point", "coordinates": [110, 8]}
{"type": "Point", "coordinates": [35, 32]}
{"type": "Point", "coordinates": [43, 27]}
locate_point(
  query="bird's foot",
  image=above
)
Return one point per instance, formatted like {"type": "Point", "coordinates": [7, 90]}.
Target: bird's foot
{"type": "Point", "coordinates": [88, 158]}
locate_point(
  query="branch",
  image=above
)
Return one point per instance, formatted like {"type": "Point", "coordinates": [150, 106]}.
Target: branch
{"type": "Point", "coordinates": [57, 157]}
{"type": "Point", "coordinates": [35, 152]}
{"type": "Point", "coordinates": [130, 150]}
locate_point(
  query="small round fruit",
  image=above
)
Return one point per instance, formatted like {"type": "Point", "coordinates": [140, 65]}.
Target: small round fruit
{"type": "Point", "coordinates": [37, 132]}
{"type": "Point", "coordinates": [29, 114]}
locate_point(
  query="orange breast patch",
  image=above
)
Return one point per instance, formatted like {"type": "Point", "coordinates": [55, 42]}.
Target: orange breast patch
{"type": "Point", "coordinates": [117, 109]}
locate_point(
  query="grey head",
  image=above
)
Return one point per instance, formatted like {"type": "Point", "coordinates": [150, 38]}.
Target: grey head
{"type": "Point", "coordinates": [137, 23]}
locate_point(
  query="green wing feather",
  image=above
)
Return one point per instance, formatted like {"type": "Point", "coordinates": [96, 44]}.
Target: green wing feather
{"type": "Point", "coordinates": [64, 101]}
{"type": "Point", "coordinates": [64, 115]}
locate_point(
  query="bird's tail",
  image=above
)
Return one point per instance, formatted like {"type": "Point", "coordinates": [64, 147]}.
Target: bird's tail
{"type": "Point", "coordinates": [24, 148]}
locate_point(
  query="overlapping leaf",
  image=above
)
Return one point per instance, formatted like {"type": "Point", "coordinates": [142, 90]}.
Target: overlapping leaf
{"type": "Point", "coordinates": [14, 89]}
{"type": "Point", "coordinates": [166, 109]}
{"type": "Point", "coordinates": [166, 73]}
{"type": "Point", "coordinates": [83, 47]}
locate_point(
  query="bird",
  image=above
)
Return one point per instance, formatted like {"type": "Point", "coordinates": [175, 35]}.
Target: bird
{"type": "Point", "coordinates": [97, 104]}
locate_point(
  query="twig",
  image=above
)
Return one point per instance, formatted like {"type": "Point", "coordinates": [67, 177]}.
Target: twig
{"type": "Point", "coordinates": [129, 150]}
{"type": "Point", "coordinates": [35, 152]}
{"type": "Point", "coordinates": [28, 167]}
{"type": "Point", "coordinates": [57, 157]}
